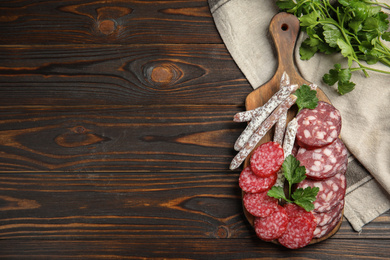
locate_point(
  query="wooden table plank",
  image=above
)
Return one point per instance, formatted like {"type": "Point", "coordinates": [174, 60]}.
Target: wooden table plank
{"type": "Point", "coordinates": [116, 21]}
{"type": "Point", "coordinates": [127, 205]}
{"type": "Point", "coordinates": [122, 138]}
{"type": "Point", "coordinates": [202, 249]}
{"type": "Point", "coordinates": [106, 206]}
{"type": "Point", "coordinates": [120, 75]}
{"type": "Point", "coordinates": [116, 134]}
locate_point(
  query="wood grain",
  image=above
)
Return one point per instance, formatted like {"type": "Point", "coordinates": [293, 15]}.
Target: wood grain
{"type": "Point", "coordinates": [140, 205]}
{"type": "Point", "coordinates": [179, 248]}
{"type": "Point", "coordinates": [114, 22]}
{"type": "Point", "coordinates": [120, 75]}
{"type": "Point", "coordinates": [116, 134]}
{"type": "Point", "coordinates": [128, 138]}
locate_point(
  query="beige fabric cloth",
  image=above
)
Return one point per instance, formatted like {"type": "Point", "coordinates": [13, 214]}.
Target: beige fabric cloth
{"type": "Point", "coordinates": [243, 26]}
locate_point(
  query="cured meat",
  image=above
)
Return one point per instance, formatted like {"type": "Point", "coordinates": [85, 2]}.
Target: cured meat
{"type": "Point", "coordinates": [293, 211]}
{"type": "Point", "coordinates": [319, 126]}
{"type": "Point", "coordinates": [299, 233]}
{"type": "Point", "coordinates": [267, 159]}
{"type": "Point", "coordinates": [251, 183]}
{"type": "Point", "coordinates": [280, 128]}
{"type": "Point", "coordinates": [331, 191]}
{"type": "Point", "coordinates": [275, 101]}
{"type": "Point", "coordinates": [261, 131]}
{"type": "Point", "coordinates": [246, 116]}
{"type": "Point", "coordinates": [322, 231]}
{"type": "Point", "coordinates": [324, 162]}
{"type": "Point", "coordinates": [327, 217]}
{"type": "Point", "coordinates": [273, 226]}
{"type": "Point", "coordinates": [289, 137]}
{"type": "Point", "coordinates": [259, 204]}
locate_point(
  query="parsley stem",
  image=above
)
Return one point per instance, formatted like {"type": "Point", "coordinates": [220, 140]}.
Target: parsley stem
{"type": "Point", "coordinates": [384, 5]}
{"type": "Point", "coordinates": [385, 61]}
{"type": "Point", "coordinates": [362, 67]}
{"type": "Point", "coordinates": [384, 47]}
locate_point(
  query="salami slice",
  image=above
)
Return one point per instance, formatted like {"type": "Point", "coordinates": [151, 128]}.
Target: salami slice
{"type": "Point", "coordinates": [327, 217]}
{"type": "Point", "coordinates": [273, 226]}
{"type": "Point", "coordinates": [299, 233]}
{"type": "Point", "coordinates": [332, 191]}
{"type": "Point", "coordinates": [322, 231]}
{"type": "Point", "coordinates": [259, 204]}
{"type": "Point", "coordinates": [251, 183]}
{"type": "Point", "coordinates": [267, 159]}
{"type": "Point", "coordinates": [294, 211]}
{"type": "Point", "coordinates": [318, 127]}
{"type": "Point", "coordinates": [324, 162]}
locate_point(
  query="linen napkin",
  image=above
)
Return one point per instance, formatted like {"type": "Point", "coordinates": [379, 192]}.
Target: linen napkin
{"type": "Point", "coordinates": [243, 26]}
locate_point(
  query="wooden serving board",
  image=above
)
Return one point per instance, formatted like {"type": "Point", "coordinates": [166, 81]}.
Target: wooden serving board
{"type": "Point", "coordinates": [284, 29]}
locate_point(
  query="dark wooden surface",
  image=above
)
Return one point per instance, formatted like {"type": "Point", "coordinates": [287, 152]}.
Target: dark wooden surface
{"type": "Point", "coordinates": [116, 135]}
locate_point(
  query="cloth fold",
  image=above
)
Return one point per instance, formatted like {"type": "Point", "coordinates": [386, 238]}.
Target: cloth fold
{"type": "Point", "coordinates": [243, 26]}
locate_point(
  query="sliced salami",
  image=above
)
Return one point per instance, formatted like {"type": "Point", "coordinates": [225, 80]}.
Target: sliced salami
{"type": "Point", "coordinates": [267, 159]}
{"type": "Point", "coordinates": [331, 191]}
{"type": "Point", "coordinates": [259, 204]}
{"type": "Point", "coordinates": [324, 162]}
{"type": "Point", "coordinates": [299, 233]}
{"type": "Point", "coordinates": [251, 183]}
{"type": "Point", "coordinates": [293, 211]}
{"type": "Point", "coordinates": [319, 126]}
{"type": "Point", "coordinates": [322, 231]}
{"type": "Point", "coordinates": [327, 217]}
{"type": "Point", "coordinates": [273, 226]}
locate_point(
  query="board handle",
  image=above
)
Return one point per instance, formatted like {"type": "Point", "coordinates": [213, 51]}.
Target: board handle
{"type": "Point", "coordinates": [284, 29]}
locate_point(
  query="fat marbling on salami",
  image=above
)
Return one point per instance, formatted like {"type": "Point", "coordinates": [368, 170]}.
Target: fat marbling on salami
{"type": "Point", "coordinates": [327, 217]}
{"type": "Point", "coordinates": [267, 159]}
{"type": "Point", "coordinates": [251, 183]}
{"type": "Point", "coordinates": [299, 233]}
{"type": "Point", "coordinates": [259, 204]}
{"type": "Point", "coordinates": [331, 191]}
{"type": "Point", "coordinates": [319, 126]}
{"type": "Point", "coordinates": [272, 226]}
{"type": "Point", "coordinates": [324, 162]}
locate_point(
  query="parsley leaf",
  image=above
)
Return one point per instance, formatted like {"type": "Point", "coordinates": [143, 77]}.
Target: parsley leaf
{"type": "Point", "coordinates": [295, 173]}
{"type": "Point", "coordinates": [306, 51]}
{"type": "Point", "coordinates": [277, 192]}
{"type": "Point", "coordinates": [309, 19]}
{"type": "Point", "coordinates": [342, 76]}
{"type": "Point", "coordinates": [331, 34]}
{"type": "Point", "coordinates": [386, 36]}
{"type": "Point", "coordinates": [354, 28]}
{"type": "Point", "coordinates": [305, 194]}
{"type": "Point", "coordinates": [306, 98]}
{"type": "Point", "coordinates": [305, 197]}
{"type": "Point", "coordinates": [345, 87]}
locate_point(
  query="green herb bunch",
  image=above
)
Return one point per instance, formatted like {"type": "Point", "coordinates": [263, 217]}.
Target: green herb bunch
{"type": "Point", "coordinates": [295, 173]}
{"type": "Point", "coordinates": [356, 28]}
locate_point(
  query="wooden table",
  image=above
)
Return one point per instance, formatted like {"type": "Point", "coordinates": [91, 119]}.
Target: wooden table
{"type": "Point", "coordinates": [116, 135]}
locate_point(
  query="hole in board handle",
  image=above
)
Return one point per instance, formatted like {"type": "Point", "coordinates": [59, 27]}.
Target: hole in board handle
{"type": "Point", "coordinates": [284, 27]}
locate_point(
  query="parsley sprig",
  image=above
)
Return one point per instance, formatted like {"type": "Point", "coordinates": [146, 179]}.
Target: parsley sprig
{"type": "Point", "coordinates": [355, 28]}
{"type": "Point", "coordinates": [295, 173]}
{"type": "Point", "coordinates": [306, 97]}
